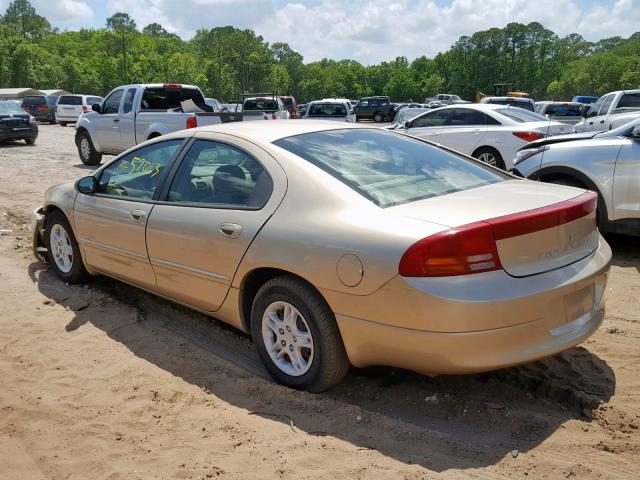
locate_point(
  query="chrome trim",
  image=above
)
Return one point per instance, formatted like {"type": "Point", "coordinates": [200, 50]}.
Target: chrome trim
{"type": "Point", "coordinates": [168, 263]}
{"type": "Point", "coordinates": [111, 248]}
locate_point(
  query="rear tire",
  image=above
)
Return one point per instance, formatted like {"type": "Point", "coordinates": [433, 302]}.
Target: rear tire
{"type": "Point", "coordinates": [30, 141]}
{"type": "Point", "coordinates": [490, 156]}
{"type": "Point", "coordinates": [63, 251]}
{"type": "Point", "coordinates": [289, 317]}
{"type": "Point", "coordinates": [378, 117]}
{"type": "Point", "coordinates": [88, 153]}
{"type": "Point", "coordinates": [63, 124]}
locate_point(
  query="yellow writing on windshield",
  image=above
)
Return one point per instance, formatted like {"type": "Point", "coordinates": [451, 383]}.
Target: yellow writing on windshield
{"type": "Point", "coordinates": [139, 165]}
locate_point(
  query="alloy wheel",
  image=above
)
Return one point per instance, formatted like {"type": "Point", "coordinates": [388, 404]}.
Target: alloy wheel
{"type": "Point", "coordinates": [61, 248]}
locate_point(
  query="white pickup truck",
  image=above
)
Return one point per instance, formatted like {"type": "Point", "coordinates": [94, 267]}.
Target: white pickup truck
{"type": "Point", "coordinates": [132, 114]}
{"type": "Point", "coordinates": [611, 111]}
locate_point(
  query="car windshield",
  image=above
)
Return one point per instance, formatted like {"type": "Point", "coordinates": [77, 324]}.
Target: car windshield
{"type": "Point", "coordinates": [406, 114]}
{"type": "Point", "coordinates": [70, 100]}
{"type": "Point", "coordinates": [260, 104]}
{"type": "Point", "coordinates": [521, 116]}
{"type": "Point", "coordinates": [388, 168]}
{"type": "Point", "coordinates": [10, 107]}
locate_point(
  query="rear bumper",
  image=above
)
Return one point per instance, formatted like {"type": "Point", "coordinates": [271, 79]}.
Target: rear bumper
{"type": "Point", "coordinates": [455, 326]}
{"type": "Point", "coordinates": [67, 117]}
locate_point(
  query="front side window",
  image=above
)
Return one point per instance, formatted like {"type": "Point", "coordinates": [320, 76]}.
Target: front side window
{"type": "Point", "coordinates": [608, 100]}
{"type": "Point", "coordinates": [387, 168]}
{"type": "Point", "coordinates": [138, 174]}
{"type": "Point", "coordinates": [112, 102]}
{"type": "Point", "coordinates": [215, 173]}
{"type": "Point", "coordinates": [432, 119]}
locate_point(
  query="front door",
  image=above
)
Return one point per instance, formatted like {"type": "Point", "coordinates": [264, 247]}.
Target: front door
{"type": "Point", "coordinates": [110, 224]}
{"type": "Point", "coordinates": [466, 129]}
{"type": "Point", "coordinates": [429, 125]}
{"type": "Point", "coordinates": [127, 125]}
{"type": "Point", "coordinates": [107, 122]}
{"type": "Point", "coordinates": [221, 195]}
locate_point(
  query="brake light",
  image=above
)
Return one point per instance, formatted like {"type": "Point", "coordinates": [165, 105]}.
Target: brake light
{"type": "Point", "coordinates": [192, 122]}
{"type": "Point", "coordinates": [457, 251]}
{"type": "Point", "coordinates": [274, 116]}
{"type": "Point", "coordinates": [472, 248]}
{"type": "Point", "coordinates": [85, 108]}
{"type": "Point", "coordinates": [25, 108]}
{"type": "Point", "coordinates": [42, 108]}
{"type": "Point", "coordinates": [528, 136]}
{"type": "Point", "coordinates": [172, 85]}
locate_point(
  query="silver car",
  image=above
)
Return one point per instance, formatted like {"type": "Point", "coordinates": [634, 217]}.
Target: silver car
{"type": "Point", "coordinates": [335, 244]}
{"type": "Point", "coordinates": [607, 163]}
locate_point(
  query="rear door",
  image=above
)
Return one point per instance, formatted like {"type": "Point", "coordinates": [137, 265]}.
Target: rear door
{"type": "Point", "coordinates": [626, 182]}
{"type": "Point", "coordinates": [224, 190]}
{"type": "Point", "coordinates": [429, 125]}
{"type": "Point", "coordinates": [110, 225]}
{"type": "Point", "coordinates": [466, 129]}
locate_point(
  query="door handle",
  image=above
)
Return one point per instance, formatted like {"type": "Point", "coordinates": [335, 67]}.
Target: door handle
{"type": "Point", "coordinates": [231, 230]}
{"type": "Point", "coordinates": [116, 120]}
{"type": "Point", "coordinates": [601, 121]}
{"type": "Point", "coordinates": [138, 214]}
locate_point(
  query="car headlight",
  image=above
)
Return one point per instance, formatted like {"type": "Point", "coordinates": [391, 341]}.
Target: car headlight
{"type": "Point", "coordinates": [522, 155]}
{"type": "Point", "coordinates": [32, 119]}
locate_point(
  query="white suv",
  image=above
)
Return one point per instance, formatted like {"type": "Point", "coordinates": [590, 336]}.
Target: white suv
{"type": "Point", "coordinates": [70, 107]}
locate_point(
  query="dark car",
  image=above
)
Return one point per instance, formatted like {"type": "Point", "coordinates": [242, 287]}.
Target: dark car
{"type": "Point", "coordinates": [42, 107]}
{"type": "Point", "coordinates": [16, 124]}
{"type": "Point", "coordinates": [377, 109]}
{"type": "Point", "coordinates": [290, 104]}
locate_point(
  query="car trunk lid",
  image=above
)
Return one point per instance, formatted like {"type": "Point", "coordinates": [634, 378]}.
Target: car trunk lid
{"type": "Point", "coordinates": [548, 227]}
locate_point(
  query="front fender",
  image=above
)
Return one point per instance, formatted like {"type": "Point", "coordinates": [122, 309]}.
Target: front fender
{"type": "Point", "coordinates": [84, 123]}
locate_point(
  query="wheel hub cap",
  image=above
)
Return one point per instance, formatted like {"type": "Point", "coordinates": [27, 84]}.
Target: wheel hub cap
{"type": "Point", "coordinates": [84, 148]}
{"type": "Point", "coordinates": [287, 338]}
{"type": "Point", "coordinates": [61, 248]}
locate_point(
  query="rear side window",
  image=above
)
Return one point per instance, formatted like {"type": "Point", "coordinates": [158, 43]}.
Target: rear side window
{"type": "Point", "coordinates": [34, 101]}
{"type": "Point", "coordinates": [432, 119]}
{"type": "Point", "coordinates": [466, 117]}
{"type": "Point", "coordinates": [630, 100]}
{"type": "Point", "coordinates": [164, 98]}
{"type": "Point", "coordinates": [69, 100]}
{"type": "Point", "coordinates": [608, 100]}
{"type": "Point", "coordinates": [387, 168]}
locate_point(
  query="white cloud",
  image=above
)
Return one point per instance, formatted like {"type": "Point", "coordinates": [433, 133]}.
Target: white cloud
{"type": "Point", "coordinates": [366, 30]}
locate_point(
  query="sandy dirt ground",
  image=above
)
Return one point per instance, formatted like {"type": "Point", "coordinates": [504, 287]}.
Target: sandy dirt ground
{"type": "Point", "coordinates": [104, 381]}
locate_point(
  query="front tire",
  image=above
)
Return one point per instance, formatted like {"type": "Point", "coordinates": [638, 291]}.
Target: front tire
{"type": "Point", "coordinates": [30, 141]}
{"type": "Point", "coordinates": [378, 117]}
{"type": "Point", "coordinates": [296, 335]}
{"type": "Point", "coordinates": [63, 124]}
{"type": "Point", "coordinates": [490, 156]}
{"type": "Point", "coordinates": [88, 153]}
{"type": "Point", "coordinates": [63, 251]}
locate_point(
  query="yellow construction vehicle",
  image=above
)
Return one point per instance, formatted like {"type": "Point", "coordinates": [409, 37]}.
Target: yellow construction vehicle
{"type": "Point", "coordinates": [502, 90]}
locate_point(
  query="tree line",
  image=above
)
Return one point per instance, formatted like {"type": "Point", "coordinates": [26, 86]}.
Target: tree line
{"type": "Point", "coordinates": [225, 61]}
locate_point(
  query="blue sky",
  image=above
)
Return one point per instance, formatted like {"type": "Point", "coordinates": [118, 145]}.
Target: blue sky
{"type": "Point", "coordinates": [366, 30]}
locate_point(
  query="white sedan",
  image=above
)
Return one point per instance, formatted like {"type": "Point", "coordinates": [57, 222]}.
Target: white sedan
{"type": "Point", "coordinates": [330, 109]}
{"type": "Point", "coordinates": [490, 133]}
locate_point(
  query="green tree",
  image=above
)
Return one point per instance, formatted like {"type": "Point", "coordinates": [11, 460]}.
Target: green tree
{"type": "Point", "coordinates": [122, 24]}
{"type": "Point", "coordinates": [21, 17]}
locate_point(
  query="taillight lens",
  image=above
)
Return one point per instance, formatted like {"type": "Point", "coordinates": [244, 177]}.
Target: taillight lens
{"type": "Point", "coordinates": [457, 251]}
{"type": "Point", "coordinates": [528, 136]}
{"type": "Point", "coordinates": [472, 248]}
{"type": "Point", "coordinates": [85, 108]}
{"type": "Point", "coordinates": [274, 116]}
{"type": "Point", "coordinates": [43, 108]}
{"type": "Point", "coordinates": [192, 122]}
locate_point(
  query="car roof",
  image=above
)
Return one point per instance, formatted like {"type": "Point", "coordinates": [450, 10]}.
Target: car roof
{"type": "Point", "coordinates": [269, 131]}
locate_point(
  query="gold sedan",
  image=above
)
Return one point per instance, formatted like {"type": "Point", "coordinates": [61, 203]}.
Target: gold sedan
{"type": "Point", "coordinates": [338, 245]}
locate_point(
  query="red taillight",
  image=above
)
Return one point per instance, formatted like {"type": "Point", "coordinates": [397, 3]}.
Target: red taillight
{"type": "Point", "coordinates": [528, 136]}
{"type": "Point", "coordinates": [274, 116]}
{"type": "Point", "coordinates": [458, 251]}
{"type": "Point", "coordinates": [472, 248]}
{"type": "Point", "coordinates": [42, 108]}
{"type": "Point", "coordinates": [25, 108]}
{"type": "Point", "coordinates": [172, 85]}
{"type": "Point", "coordinates": [192, 122]}
{"type": "Point", "coordinates": [85, 108]}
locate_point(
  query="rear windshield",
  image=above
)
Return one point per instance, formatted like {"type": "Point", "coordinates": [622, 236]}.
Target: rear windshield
{"type": "Point", "coordinates": [260, 104]}
{"type": "Point", "coordinates": [387, 168]}
{"type": "Point", "coordinates": [10, 107]}
{"type": "Point", "coordinates": [562, 110]}
{"type": "Point", "coordinates": [513, 103]}
{"type": "Point", "coordinates": [69, 100]}
{"type": "Point", "coordinates": [327, 110]}
{"type": "Point", "coordinates": [93, 100]}
{"type": "Point", "coordinates": [288, 103]}
{"type": "Point", "coordinates": [521, 116]}
{"type": "Point", "coordinates": [164, 98]}
{"type": "Point", "coordinates": [34, 101]}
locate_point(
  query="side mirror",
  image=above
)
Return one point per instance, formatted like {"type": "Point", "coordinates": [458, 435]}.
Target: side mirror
{"type": "Point", "coordinates": [87, 185]}
{"type": "Point", "coordinates": [407, 124]}
{"type": "Point", "coordinates": [96, 108]}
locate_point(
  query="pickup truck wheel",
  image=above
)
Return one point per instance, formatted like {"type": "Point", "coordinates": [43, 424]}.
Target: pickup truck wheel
{"type": "Point", "coordinates": [378, 117]}
{"type": "Point", "coordinates": [88, 153]}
